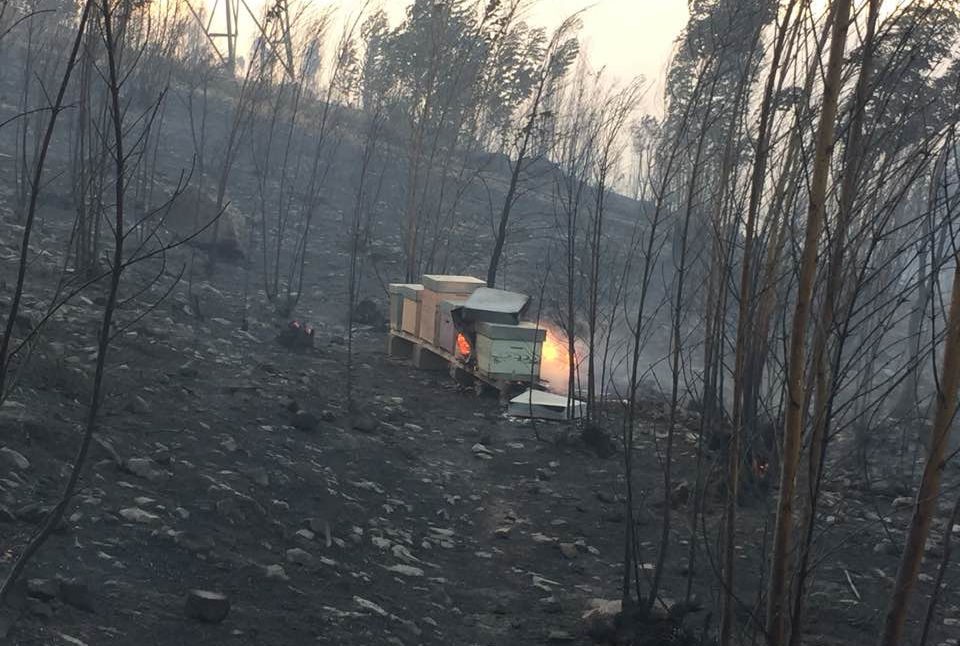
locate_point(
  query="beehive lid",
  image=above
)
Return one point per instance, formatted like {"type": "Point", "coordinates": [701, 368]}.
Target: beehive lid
{"type": "Point", "coordinates": [536, 403]}
{"type": "Point", "coordinates": [451, 284]}
{"type": "Point", "coordinates": [523, 331]}
{"type": "Point", "coordinates": [495, 306]}
{"type": "Point", "coordinates": [407, 290]}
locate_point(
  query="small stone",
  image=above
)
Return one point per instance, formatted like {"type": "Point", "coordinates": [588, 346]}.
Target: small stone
{"type": "Point", "coordinates": [903, 502]}
{"type": "Point", "coordinates": [680, 494]}
{"type": "Point", "coordinates": [77, 594]}
{"type": "Point", "coordinates": [143, 468]}
{"type": "Point", "coordinates": [211, 607]}
{"type": "Point", "coordinates": [260, 476]}
{"type": "Point", "coordinates": [276, 572]}
{"type": "Point", "coordinates": [559, 636]}
{"type": "Point", "coordinates": [137, 515]}
{"type": "Point", "coordinates": [569, 550]}
{"type": "Point", "coordinates": [886, 547]}
{"type": "Point", "coordinates": [299, 556]}
{"type": "Point", "coordinates": [306, 534]}
{"type": "Point", "coordinates": [481, 452]}
{"type": "Point", "coordinates": [138, 405]}
{"type": "Point", "coordinates": [43, 588]}
{"type": "Point", "coordinates": [305, 421]}
{"type": "Point", "coordinates": [364, 423]}
{"type": "Point", "coordinates": [502, 532]}
{"type": "Point", "coordinates": [405, 570]}
{"type": "Point", "coordinates": [182, 513]}
{"type": "Point", "coordinates": [229, 445]}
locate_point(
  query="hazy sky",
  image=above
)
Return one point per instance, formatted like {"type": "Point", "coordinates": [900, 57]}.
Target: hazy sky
{"type": "Point", "coordinates": [627, 37]}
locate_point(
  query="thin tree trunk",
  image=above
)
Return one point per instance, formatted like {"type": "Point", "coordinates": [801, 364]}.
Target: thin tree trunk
{"type": "Point", "coordinates": [777, 597]}
{"type": "Point", "coordinates": [925, 504]}
{"type": "Point", "coordinates": [35, 186]}
{"type": "Point", "coordinates": [56, 514]}
{"type": "Point", "coordinates": [823, 393]}
{"type": "Point", "coordinates": [941, 573]}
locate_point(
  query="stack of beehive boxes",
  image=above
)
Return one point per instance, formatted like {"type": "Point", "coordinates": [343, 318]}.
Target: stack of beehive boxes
{"type": "Point", "coordinates": [436, 289]}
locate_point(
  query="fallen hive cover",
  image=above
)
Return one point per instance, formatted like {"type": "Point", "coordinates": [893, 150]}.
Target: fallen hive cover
{"type": "Point", "coordinates": [544, 405]}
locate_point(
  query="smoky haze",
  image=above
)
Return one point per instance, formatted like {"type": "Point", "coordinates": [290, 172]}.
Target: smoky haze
{"type": "Point", "coordinates": [479, 322]}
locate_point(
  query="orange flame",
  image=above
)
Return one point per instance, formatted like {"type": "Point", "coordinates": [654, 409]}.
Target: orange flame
{"type": "Point", "coordinates": [463, 346]}
{"type": "Point", "coordinates": [555, 360]}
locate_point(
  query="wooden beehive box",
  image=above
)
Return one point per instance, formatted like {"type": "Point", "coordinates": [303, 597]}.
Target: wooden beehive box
{"type": "Point", "coordinates": [399, 292]}
{"type": "Point", "coordinates": [405, 307]}
{"type": "Point", "coordinates": [438, 288]}
{"type": "Point", "coordinates": [509, 352]}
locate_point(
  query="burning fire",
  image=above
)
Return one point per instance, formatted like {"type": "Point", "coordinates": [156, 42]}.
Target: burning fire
{"type": "Point", "coordinates": [553, 349]}
{"type": "Point", "coordinates": [463, 346]}
{"type": "Point", "coordinates": [555, 360]}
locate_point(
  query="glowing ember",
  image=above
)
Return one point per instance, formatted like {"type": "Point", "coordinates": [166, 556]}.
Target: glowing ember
{"type": "Point", "coordinates": [463, 346]}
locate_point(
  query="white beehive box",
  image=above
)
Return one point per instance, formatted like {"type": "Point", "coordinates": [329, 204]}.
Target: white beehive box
{"type": "Point", "coordinates": [438, 288]}
{"type": "Point", "coordinates": [405, 307]}
{"type": "Point", "coordinates": [509, 351]}
{"type": "Point", "coordinates": [399, 293]}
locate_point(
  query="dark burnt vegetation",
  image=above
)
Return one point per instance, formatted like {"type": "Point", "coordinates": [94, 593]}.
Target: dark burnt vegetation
{"type": "Point", "coordinates": [758, 284]}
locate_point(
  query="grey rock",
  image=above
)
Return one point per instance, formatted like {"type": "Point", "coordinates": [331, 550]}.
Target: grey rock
{"type": "Point", "coordinates": [305, 421]}
{"type": "Point", "coordinates": [260, 476]}
{"type": "Point", "coordinates": [203, 605]}
{"type": "Point", "coordinates": [137, 515]}
{"type": "Point", "coordinates": [43, 588]}
{"type": "Point", "coordinates": [886, 547]}
{"type": "Point", "coordinates": [569, 550]}
{"type": "Point", "coordinates": [680, 494]}
{"type": "Point", "coordinates": [299, 556]}
{"type": "Point", "coordinates": [316, 525]}
{"type": "Point", "coordinates": [903, 503]}
{"type": "Point", "coordinates": [276, 571]}
{"type": "Point", "coordinates": [77, 594]}
{"type": "Point", "coordinates": [14, 458]}
{"type": "Point", "coordinates": [365, 423]}
{"type": "Point", "coordinates": [138, 405]}
{"type": "Point", "coordinates": [305, 534]}
{"type": "Point", "coordinates": [144, 468]}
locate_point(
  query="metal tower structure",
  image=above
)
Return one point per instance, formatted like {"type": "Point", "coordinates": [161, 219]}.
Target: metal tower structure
{"type": "Point", "coordinates": [273, 30]}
